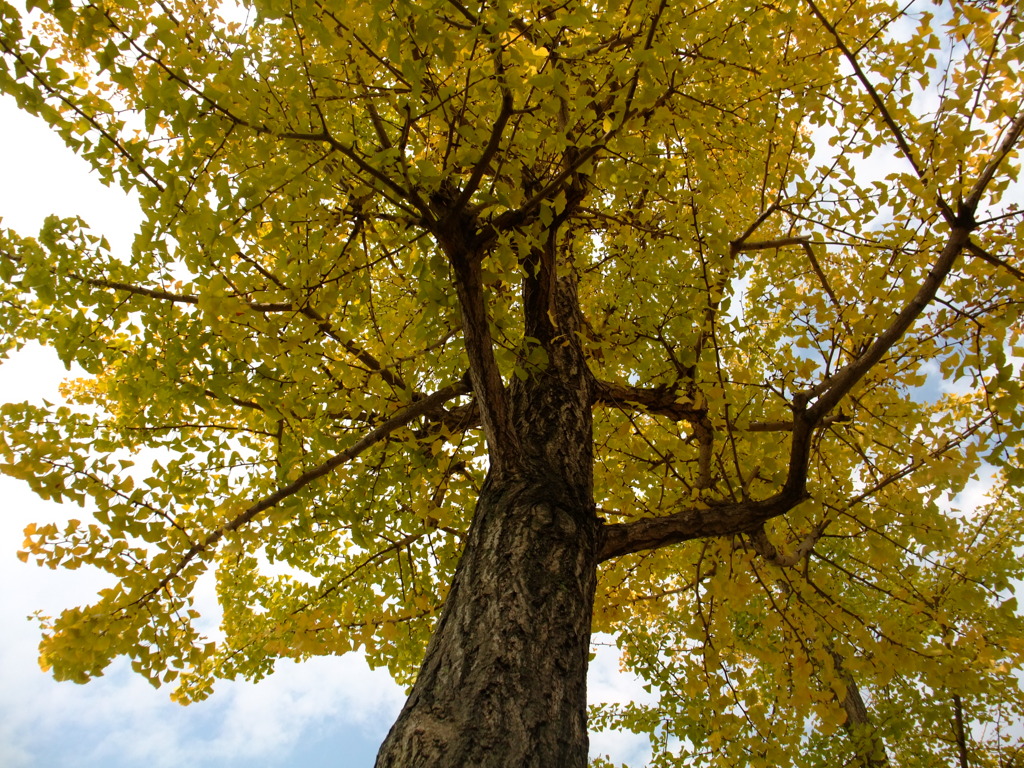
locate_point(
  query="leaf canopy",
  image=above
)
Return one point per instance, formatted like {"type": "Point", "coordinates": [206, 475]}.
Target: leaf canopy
{"type": "Point", "coordinates": [753, 198]}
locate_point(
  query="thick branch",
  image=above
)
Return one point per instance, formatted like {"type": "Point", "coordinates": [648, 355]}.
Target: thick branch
{"type": "Point", "coordinates": [663, 401]}
{"type": "Point", "coordinates": [834, 388]}
{"type": "Point", "coordinates": [1006, 146]}
{"type": "Point", "coordinates": [456, 235]}
{"type": "Point", "coordinates": [764, 547]}
{"type": "Point", "coordinates": [763, 245]}
{"type": "Point", "coordinates": [737, 244]}
{"type": "Point", "coordinates": [960, 732]}
{"type": "Point", "coordinates": [135, 290]}
{"type": "Point", "coordinates": [720, 520]}
{"type": "Point", "coordinates": [724, 520]}
{"type": "Point", "coordinates": [867, 743]}
{"type": "Point", "coordinates": [509, 220]}
{"type": "Point", "coordinates": [490, 150]}
{"type": "Point", "coordinates": [746, 517]}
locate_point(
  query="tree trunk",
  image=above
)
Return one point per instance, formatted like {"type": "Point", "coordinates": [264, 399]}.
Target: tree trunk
{"type": "Point", "coordinates": [505, 674]}
{"type": "Point", "coordinates": [504, 678]}
{"type": "Point", "coordinates": [869, 749]}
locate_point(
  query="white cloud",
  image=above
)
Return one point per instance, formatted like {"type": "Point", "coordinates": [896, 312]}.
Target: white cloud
{"type": "Point", "coordinates": [976, 493]}
{"type": "Point", "coordinates": [119, 720]}
{"type": "Point", "coordinates": [32, 373]}
{"type": "Point", "coordinates": [43, 177]}
{"type": "Point", "coordinates": [307, 695]}
{"type": "Point", "coordinates": [607, 682]}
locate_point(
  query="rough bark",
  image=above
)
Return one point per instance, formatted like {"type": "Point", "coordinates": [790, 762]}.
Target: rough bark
{"type": "Point", "coordinates": [504, 679]}
{"type": "Point", "coordinates": [960, 731]}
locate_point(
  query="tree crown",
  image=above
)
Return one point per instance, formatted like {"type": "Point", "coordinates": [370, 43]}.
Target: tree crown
{"type": "Point", "coordinates": [780, 224]}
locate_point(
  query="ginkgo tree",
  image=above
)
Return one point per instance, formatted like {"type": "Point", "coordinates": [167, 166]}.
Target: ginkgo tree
{"type": "Point", "coordinates": [456, 331]}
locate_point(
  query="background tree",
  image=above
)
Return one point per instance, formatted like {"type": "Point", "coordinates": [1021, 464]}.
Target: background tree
{"type": "Point", "coordinates": [457, 321]}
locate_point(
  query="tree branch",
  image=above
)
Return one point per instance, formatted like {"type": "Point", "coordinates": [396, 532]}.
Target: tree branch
{"type": "Point", "coordinates": [737, 246]}
{"type": "Point", "coordinates": [122, 150]}
{"type": "Point", "coordinates": [458, 237]}
{"type": "Point", "coordinates": [764, 547]}
{"type": "Point", "coordinates": [489, 151]}
{"type": "Point", "coordinates": [690, 407]}
{"type": "Point", "coordinates": [402, 194]}
{"type": "Point", "coordinates": [323, 324]}
{"type": "Point", "coordinates": [744, 517]}
{"type": "Point", "coordinates": [762, 245]}
{"type": "Point", "coordinates": [663, 401]}
{"type": "Point", "coordinates": [374, 436]}
{"type": "Point", "coordinates": [959, 731]}
{"type": "Point", "coordinates": [887, 118]}
{"type": "Point", "coordinates": [831, 390]}
{"type": "Point", "coordinates": [722, 520]}
{"type": "Point", "coordinates": [765, 215]}
{"type": "Point", "coordinates": [868, 743]}
{"type": "Point", "coordinates": [989, 171]}
{"type": "Point", "coordinates": [995, 261]}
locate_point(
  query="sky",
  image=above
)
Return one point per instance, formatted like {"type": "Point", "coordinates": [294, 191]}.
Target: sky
{"type": "Point", "coordinates": [324, 712]}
